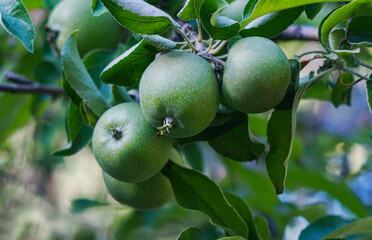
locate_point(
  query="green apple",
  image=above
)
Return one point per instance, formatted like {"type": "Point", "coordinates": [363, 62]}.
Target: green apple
{"type": "Point", "coordinates": [126, 146]}
{"type": "Point", "coordinates": [179, 94]}
{"type": "Point", "coordinates": [147, 195]}
{"type": "Point", "coordinates": [94, 32]}
{"type": "Point", "coordinates": [256, 76]}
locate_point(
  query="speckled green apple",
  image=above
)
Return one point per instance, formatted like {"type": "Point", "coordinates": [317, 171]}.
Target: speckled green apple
{"type": "Point", "coordinates": [256, 76]}
{"type": "Point", "coordinates": [94, 32]}
{"type": "Point", "coordinates": [179, 91]}
{"type": "Point", "coordinates": [126, 146]}
{"type": "Point", "coordinates": [147, 195]}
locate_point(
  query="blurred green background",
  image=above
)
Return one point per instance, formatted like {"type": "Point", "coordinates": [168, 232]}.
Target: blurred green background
{"type": "Point", "coordinates": [48, 197]}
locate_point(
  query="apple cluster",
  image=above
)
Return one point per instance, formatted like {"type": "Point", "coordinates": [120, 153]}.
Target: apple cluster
{"type": "Point", "coordinates": [179, 97]}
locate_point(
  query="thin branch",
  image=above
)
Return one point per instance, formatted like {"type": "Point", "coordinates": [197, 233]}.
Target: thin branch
{"type": "Point", "coordinates": [186, 38]}
{"type": "Point", "coordinates": [216, 50]}
{"type": "Point", "coordinates": [307, 33]}
{"type": "Point", "coordinates": [222, 56]}
{"type": "Point", "coordinates": [316, 78]}
{"type": "Point", "coordinates": [200, 32]}
{"type": "Point", "coordinates": [347, 69]}
{"type": "Point", "coordinates": [212, 58]}
{"type": "Point", "coordinates": [366, 65]}
{"type": "Point", "coordinates": [216, 44]}
{"type": "Point", "coordinates": [34, 88]}
{"type": "Point", "coordinates": [311, 52]}
{"type": "Point", "coordinates": [17, 78]}
{"type": "Point", "coordinates": [26, 86]}
{"type": "Point", "coordinates": [209, 47]}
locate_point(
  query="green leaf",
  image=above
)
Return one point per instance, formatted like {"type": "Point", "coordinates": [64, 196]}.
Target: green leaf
{"type": "Point", "coordinates": [139, 16]}
{"type": "Point", "coordinates": [262, 228]}
{"type": "Point", "coordinates": [343, 49]}
{"type": "Point", "coordinates": [342, 94]}
{"type": "Point", "coordinates": [242, 208]}
{"type": "Point", "coordinates": [321, 90]}
{"type": "Point", "coordinates": [353, 9]}
{"type": "Point", "coordinates": [15, 18]}
{"type": "Point", "coordinates": [359, 31]}
{"type": "Point", "coordinates": [232, 238]}
{"type": "Point", "coordinates": [120, 95]}
{"type": "Point", "coordinates": [95, 62]}
{"type": "Point", "coordinates": [258, 8]}
{"type": "Point", "coordinates": [128, 68]}
{"type": "Point", "coordinates": [98, 8]}
{"type": "Point", "coordinates": [190, 10]}
{"type": "Point", "coordinates": [298, 177]}
{"type": "Point", "coordinates": [195, 191]}
{"type": "Point", "coordinates": [322, 227]}
{"type": "Point", "coordinates": [360, 226]}
{"type": "Point", "coordinates": [281, 131]}
{"type": "Point", "coordinates": [88, 115]}
{"type": "Point", "coordinates": [336, 37]}
{"type": "Point", "coordinates": [312, 10]}
{"type": "Point", "coordinates": [78, 133]}
{"type": "Point", "coordinates": [193, 156]}
{"type": "Point", "coordinates": [369, 92]}
{"type": "Point", "coordinates": [272, 24]}
{"type": "Point", "coordinates": [217, 26]}
{"type": "Point", "coordinates": [160, 42]}
{"type": "Point", "coordinates": [238, 144]}
{"type": "Point", "coordinates": [70, 91]}
{"type": "Point", "coordinates": [222, 124]}
{"type": "Point", "coordinates": [193, 233]}
{"type": "Point", "coordinates": [79, 79]}
{"type": "Point", "coordinates": [79, 205]}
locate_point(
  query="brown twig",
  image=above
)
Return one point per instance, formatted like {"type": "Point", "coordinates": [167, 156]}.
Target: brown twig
{"type": "Point", "coordinates": [23, 85]}
{"type": "Point", "coordinates": [301, 32]}
{"type": "Point", "coordinates": [34, 88]}
{"type": "Point", "coordinates": [17, 78]}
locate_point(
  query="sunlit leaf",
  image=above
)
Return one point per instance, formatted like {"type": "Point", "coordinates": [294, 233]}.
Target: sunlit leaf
{"type": "Point", "coordinates": [129, 67]}
{"type": "Point", "coordinates": [15, 18]}
{"type": "Point", "coordinates": [353, 9]}
{"type": "Point", "coordinates": [218, 27]}
{"type": "Point", "coordinates": [190, 10]}
{"type": "Point", "coordinates": [258, 8]}
{"type": "Point", "coordinates": [139, 16]}
{"type": "Point", "coordinates": [272, 24]}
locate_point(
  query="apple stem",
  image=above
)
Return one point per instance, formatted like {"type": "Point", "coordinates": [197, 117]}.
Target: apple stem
{"type": "Point", "coordinates": [51, 39]}
{"type": "Point", "coordinates": [117, 134]}
{"type": "Point", "coordinates": [167, 125]}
